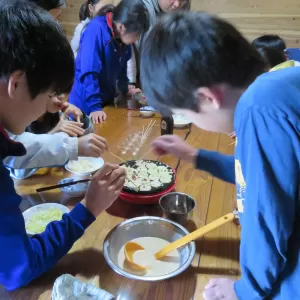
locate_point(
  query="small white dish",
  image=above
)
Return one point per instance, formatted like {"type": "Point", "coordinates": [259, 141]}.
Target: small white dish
{"type": "Point", "coordinates": [76, 190]}
{"type": "Point", "coordinates": [180, 121]}
{"type": "Point", "coordinates": [30, 212]}
{"type": "Point", "coordinates": [95, 162]}
{"type": "Point", "coordinates": [147, 113]}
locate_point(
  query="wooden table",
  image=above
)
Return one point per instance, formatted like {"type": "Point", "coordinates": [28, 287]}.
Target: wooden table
{"type": "Point", "coordinates": [216, 255]}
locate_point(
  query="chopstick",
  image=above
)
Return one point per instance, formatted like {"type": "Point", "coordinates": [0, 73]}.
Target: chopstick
{"type": "Point", "coordinates": [145, 154]}
{"type": "Point", "coordinates": [57, 186]}
{"type": "Point", "coordinates": [116, 156]}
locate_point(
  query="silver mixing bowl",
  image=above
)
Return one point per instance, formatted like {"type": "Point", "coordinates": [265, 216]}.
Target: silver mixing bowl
{"type": "Point", "coordinates": [146, 227]}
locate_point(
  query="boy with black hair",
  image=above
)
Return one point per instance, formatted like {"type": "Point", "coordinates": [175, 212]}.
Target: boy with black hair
{"type": "Point", "coordinates": [36, 64]}
{"type": "Point", "coordinates": [273, 49]}
{"type": "Point", "coordinates": [273, 57]}
{"type": "Point", "coordinates": [212, 75]}
{"type": "Point", "coordinates": [270, 41]}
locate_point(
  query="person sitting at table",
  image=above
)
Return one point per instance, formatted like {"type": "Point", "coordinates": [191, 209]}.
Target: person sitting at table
{"type": "Point", "coordinates": [101, 63]}
{"type": "Point", "coordinates": [52, 141]}
{"type": "Point", "coordinates": [63, 142]}
{"type": "Point", "coordinates": [221, 83]}
{"type": "Point", "coordinates": [87, 11]}
{"type": "Point", "coordinates": [37, 62]}
{"type": "Point", "coordinates": [266, 42]}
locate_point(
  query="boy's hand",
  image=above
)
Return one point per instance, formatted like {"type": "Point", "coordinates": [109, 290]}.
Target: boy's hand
{"type": "Point", "coordinates": [220, 289]}
{"type": "Point", "coordinates": [133, 91]}
{"type": "Point", "coordinates": [73, 110]}
{"type": "Point", "coordinates": [91, 145]}
{"type": "Point", "coordinates": [69, 127]}
{"type": "Point", "coordinates": [173, 144]}
{"type": "Point", "coordinates": [98, 117]}
{"type": "Point", "coordinates": [104, 188]}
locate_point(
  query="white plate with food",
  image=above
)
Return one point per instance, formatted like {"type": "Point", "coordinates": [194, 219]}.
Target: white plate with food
{"type": "Point", "coordinates": [180, 121]}
{"type": "Point", "coordinates": [147, 176]}
{"type": "Point", "coordinates": [85, 166]}
{"type": "Point", "coordinates": [39, 216]}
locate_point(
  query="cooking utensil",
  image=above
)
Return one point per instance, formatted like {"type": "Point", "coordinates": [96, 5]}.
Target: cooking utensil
{"type": "Point", "coordinates": [143, 199]}
{"type": "Point", "coordinates": [195, 235]}
{"type": "Point", "coordinates": [60, 185]}
{"type": "Point", "coordinates": [177, 207]}
{"type": "Point", "coordinates": [146, 227]}
{"type": "Point", "coordinates": [154, 190]}
{"type": "Point", "coordinates": [129, 249]}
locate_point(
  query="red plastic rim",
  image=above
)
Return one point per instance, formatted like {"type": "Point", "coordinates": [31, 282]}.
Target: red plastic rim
{"type": "Point", "coordinates": [145, 199]}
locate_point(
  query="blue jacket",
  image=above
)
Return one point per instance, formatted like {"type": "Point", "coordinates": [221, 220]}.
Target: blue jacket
{"type": "Point", "coordinates": [266, 167]}
{"type": "Point", "coordinates": [101, 67]}
{"type": "Point", "coordinates": [23, 259]}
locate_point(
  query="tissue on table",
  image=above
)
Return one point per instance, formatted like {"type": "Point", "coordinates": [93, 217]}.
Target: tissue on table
{"type": "Point", "coordinates": [67, 287]}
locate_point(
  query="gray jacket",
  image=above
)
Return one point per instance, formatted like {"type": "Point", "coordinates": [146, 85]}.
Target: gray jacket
{"type": "Point", "coordinates": [43, 150]}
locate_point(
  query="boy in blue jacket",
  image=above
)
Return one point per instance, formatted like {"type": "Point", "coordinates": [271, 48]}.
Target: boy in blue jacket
{"type": "Point", "coordinates": [101, 62]}
{"type": "Point", "coordinates": [213, 76]}
{"type": "Point", "coordinates": [36, 66]}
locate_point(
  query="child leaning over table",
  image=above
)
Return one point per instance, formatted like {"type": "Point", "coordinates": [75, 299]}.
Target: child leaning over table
{"type": "Point", "coordinates": [213, 76]}
{"type": "Point", "coordinates": [36, 62]}
{"type": "Point", "coordinates": [101, 63]}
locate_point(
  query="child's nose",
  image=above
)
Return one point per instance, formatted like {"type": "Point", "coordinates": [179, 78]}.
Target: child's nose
{"type": "Point", "coordinates": [176, 4]}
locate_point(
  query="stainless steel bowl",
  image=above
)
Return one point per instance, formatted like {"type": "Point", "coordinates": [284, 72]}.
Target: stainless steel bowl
{"type": "Point", "coordinates": [146, 227]}
{"type": "Point", "coordinates": [177, 207]}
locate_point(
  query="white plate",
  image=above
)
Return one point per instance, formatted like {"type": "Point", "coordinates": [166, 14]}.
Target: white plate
{"type": "Point", "coordinates": [30, 212]}
{"type": "Point", "coordinates": [180, 121]}
{"type": "Point", "coordinates": [97, 163]}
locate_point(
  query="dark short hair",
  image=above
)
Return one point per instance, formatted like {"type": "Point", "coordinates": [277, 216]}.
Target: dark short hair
{"type": "Point", "coordinates": [49, 4]}
{"type": "Point", "coordinates": [188, 50]}
{"type": "Point", "coordinates": [130, 13]}
{"type": "Point", "coordinates": [31, 41]}
{"type": "Point", "coordinates": [269, 41]}
{"type": "Point", "coordinates": [272, 56]}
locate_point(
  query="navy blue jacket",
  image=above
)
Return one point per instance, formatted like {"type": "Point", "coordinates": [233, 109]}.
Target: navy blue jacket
{"type": "Point", "coordinates": [101, 67]}
{"type": "Point", "coordinates": [23, 259]}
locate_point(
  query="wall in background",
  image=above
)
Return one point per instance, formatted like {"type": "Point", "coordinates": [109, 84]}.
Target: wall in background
{"type": "Point", "coordinates": [253, 18]}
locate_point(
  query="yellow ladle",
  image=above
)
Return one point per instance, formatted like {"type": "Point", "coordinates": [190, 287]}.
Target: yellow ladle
{"type": "Point", "coordinates": [131, 247]}
{"type": "Point", "coordinates": [194, 235]}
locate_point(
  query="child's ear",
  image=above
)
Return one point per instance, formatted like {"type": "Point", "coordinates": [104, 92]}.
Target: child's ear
{"type": "Point", "coordinates": [120, 28]}
{"type": "Point", "coordinates": [208, 98]}
{"type": "Point", "coordinates": [14, 82]}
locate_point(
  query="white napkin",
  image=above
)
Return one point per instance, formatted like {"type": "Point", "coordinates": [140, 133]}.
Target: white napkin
{"type": "Point", "coordinates": [67, 287]}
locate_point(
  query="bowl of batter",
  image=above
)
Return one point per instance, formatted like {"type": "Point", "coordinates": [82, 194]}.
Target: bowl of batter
{"type": "Point", "coordinates": [152, 233]}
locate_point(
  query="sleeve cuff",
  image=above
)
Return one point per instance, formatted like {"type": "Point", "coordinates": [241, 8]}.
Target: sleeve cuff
{"type": "Point", "coordinates": [82, 215]}
{"type": "Point", "coordinates": [243, 291]}
{"type": "Point", "coordinates": [72, 148]}
{"type": "Point", "coordinates": [96, 107]}
{"type": "Point", "coordinates": [203, 159]}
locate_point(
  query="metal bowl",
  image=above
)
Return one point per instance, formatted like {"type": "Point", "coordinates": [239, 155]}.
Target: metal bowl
{"type": "Point", "coordinates": [177, 207]}
{"type": "Point", "coordinates": [146, 227]}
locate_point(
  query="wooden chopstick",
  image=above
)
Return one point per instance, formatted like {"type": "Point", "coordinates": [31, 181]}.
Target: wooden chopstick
{"type": "Point", "coordinates": [57, 186]}
{"type": "Point", "coordinates": [116, 156]}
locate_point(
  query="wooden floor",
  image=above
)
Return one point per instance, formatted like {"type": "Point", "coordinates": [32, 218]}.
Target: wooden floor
{"type": "Point", "coordinates": [217, 253]}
